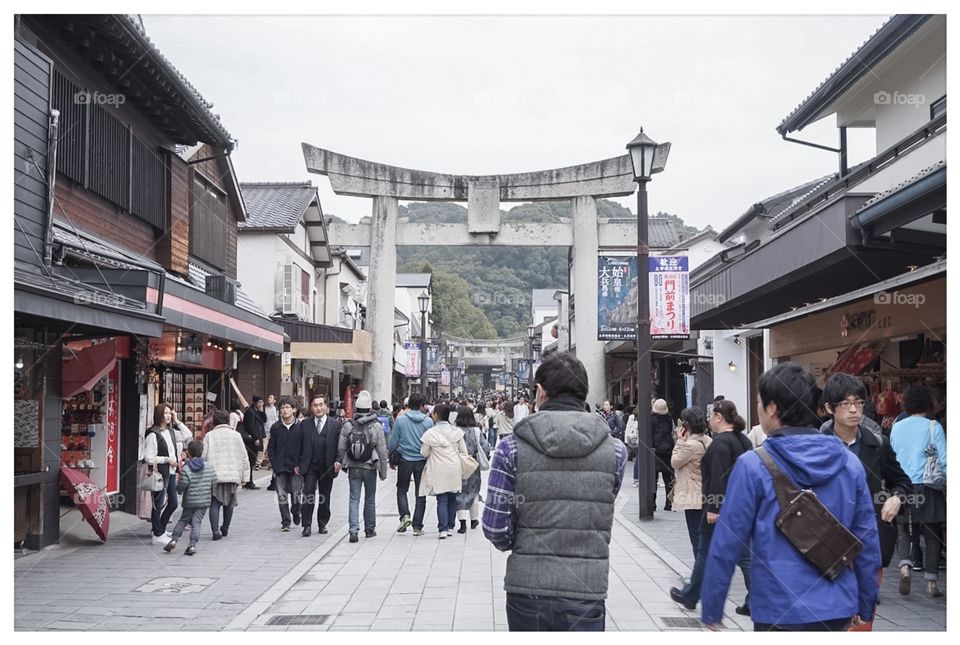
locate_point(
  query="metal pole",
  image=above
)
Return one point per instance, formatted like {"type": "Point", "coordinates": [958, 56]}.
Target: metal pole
{"type": "Point", "coordinates": [645, 455]}
{"type": "Point", "coordinates": [423, 353]}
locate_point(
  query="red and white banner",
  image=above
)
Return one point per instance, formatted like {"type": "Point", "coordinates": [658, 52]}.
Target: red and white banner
{"type": "Point", "coordinates": [669, 297]}
{"type": "Point", "coordinates": [112, 458]}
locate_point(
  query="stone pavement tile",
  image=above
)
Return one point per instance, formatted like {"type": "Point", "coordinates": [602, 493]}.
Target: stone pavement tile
{"type": "Point", "coordinates": [356, 619]}
{"type": "Point", "coordinates": [435, 605]}
{"type": "Point", "coordinates": [70, 625]}
{"type": "Point", "coordinates": [434, 616]}
{"type": "Point", "coordinates": [289, 607]}
{"type": "Point", "coordinates": [405, 599]}
{"type": "Point", "coordinates": [397, 611]}
{"type": "Point", "coordinates": [392, 625]}
{"type": "Point", "coordinates": [298, 594]}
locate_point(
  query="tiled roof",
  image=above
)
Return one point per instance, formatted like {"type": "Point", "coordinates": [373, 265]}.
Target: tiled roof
{"type": "Point", "coordinates": [903, 184]}
{"type": "Point", "coordinates": [276, 204]}
{"type": "Point", "coordinates": [101, 250]}
{"type": "Point", "coordinates": [205, 107]}
{"type": "Point", "coordinates": [198, 280]}
{"type": "Point", "coordinates": [775, 205]}
{"type": "Point", "coordinates": [662, 233]}
{"type": "Point", "coordinates": [874, 49]}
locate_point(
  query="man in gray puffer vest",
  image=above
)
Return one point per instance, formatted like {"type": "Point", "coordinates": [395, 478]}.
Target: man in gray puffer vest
{"type": "Point", "coordinates": [550, 501]}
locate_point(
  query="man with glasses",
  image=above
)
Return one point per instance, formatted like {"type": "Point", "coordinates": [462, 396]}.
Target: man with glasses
{"type": "Point", "coordinates": [844, 396]}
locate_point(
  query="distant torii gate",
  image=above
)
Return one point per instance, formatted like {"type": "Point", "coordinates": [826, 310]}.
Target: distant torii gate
{"type": "Point", "coordinates": [583, 185]}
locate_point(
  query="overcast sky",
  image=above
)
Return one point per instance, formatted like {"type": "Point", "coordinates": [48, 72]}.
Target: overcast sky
{"type": "Point", "coordinates": [491, 95]}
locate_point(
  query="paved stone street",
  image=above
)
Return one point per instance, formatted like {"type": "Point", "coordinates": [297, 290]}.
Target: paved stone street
{"type": "Point", "coordinates": [260, 579]}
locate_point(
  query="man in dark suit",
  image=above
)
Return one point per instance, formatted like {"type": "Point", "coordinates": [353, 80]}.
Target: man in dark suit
{"type": "Point", "coordinates": [318, 463]}
{"type": "Point", "coordinates": [253, 432]}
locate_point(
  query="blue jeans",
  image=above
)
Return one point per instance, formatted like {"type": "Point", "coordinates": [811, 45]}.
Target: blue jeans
{"type": "Point", "coordinates": [636, 467]}
{"type": "Point", "coordinates": [164, 504]}
{"type": "Point", "coordinates": [691, 592]}
{"type": "Point", "coordinates": [446, 511]}
{"type": "Point", "coordinates": [546, 614]}
{"type": "Point", "coordinates": [193, 517]}
{"type": "Point", "coordinates": [365, 478]}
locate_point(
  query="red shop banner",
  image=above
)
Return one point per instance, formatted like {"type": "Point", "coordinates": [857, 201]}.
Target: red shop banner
{"type": "Point", "coordinates": [113, 431]}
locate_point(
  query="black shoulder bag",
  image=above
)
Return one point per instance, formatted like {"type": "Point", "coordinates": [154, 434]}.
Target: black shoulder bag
{"type": "Point", "coordinates": [816, 533]}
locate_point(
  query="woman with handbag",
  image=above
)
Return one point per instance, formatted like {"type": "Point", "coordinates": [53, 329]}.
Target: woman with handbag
{"type": "Point", "coordinates": [691, 445]}
{"type": "Point", "coordinates": [921, 448]}
{"type": "Point", "coordinates": [468, 499]}
{"type": "Point", "coordinates": [162, 447]}
{"type": "Point", "coordinates": [443, 476]}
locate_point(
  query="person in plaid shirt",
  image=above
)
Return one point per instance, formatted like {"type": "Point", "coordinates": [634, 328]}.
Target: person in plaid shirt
{"type": "Point", "coordinates": [550, 502]}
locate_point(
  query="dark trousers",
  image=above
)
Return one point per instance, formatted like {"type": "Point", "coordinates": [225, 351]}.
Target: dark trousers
{"type": "Point", "coordinates": [164, 504]}
{"type": "Point", "coordinates": [288, 488]}
{"type": "Point", "coordinates": [693, 517]}
{"type": "Point", "coordinates": [446, 511]}
{"type": "Point", "coordinates": [215, 524]}
{"type": "Point", "coordinates": [663, 470]}
{"type": "Point", "coordinates": [404, 472]}
{"type": "Point", "coordinates": [838, 625]}
{"type": "Point", "coordinates": [691, 592]}
{"type": "Point", "coordinates": [316, 493]}
{"type": "Point", "coordinates": [908, 545]}
{"type": "Point", "coordinates": [545, 614]}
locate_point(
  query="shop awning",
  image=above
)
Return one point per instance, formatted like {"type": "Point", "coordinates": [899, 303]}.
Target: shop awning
{"type": "Point", "coordinates": [359, 349]}
{"type": "Point", "coordinates": [82, 369]}
{"type": "Point", "coordinates": [857, 358]}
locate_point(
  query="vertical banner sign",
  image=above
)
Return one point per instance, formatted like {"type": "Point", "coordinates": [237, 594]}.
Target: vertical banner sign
{"type": "Point", "coordinates": [113, 430]}
{"type": "Point", "coordinates": [286, 360]}
{"type": "Point", "coordinates": [412, 366]}
{"type": "Point", "coordinates": [669, 297]}
{"type": "Point", "coordinates": [617, 297]}
{"type": "Point", "coordinates": [434, 360]}
{"type": "Point", "coordinates": [523, 370]}
{"type": "Point", "coordinates": [445, 378]}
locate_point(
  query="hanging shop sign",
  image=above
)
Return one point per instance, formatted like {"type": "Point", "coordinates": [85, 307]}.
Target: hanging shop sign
{"type": "Point", "coordinates": [617, 297]}
{"type": "Point", "coordinates": [411, 367]}
{"type": "Point", "coordinates": [670, 297]}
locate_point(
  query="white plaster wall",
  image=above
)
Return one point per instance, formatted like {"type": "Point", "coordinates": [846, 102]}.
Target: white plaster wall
{"type": "Point", "coordinates": [703, 251]}
{"type": "Point", "coordinates": [256, 267]}
{"type": "Point", "coordinates": [732, 385]}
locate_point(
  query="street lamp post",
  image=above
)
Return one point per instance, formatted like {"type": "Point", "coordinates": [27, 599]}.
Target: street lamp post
{"type": "Point", "coordinates": [531, 332]}
{"type": "Point", "coordinates": [424, 301]}
{"type": "Point", "coordinates": [647, 158]}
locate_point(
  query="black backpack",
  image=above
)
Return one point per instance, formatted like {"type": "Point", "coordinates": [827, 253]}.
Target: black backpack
{"type": "Point", "coordinates": [359, 446]}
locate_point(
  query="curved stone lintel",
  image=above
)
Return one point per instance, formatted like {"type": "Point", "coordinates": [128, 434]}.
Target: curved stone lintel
{"type": "Point", "coordinates": [352, 176]}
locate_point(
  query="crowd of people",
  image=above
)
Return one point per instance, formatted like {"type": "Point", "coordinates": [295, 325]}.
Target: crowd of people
{"type": "Point", "coordinates": [556, 467]}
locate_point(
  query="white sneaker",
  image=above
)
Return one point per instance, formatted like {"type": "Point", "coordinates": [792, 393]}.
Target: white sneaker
{"type": "Point", "coordinates": [168, 534]}
{"type": "Point", "coordinates": [442, 535]}
{"type": "Point", "coordinates": [160, 540]}
{"type": "Point", "coordinates": [449, 533]}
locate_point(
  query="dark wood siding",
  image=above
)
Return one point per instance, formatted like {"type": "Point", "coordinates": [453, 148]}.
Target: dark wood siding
{"type": "Point", "coordinates": [32, 79]}
{"type": "Point", "coordinates": [149, 192]}
{"type": "Point", "coordinates": [72, 137]}
{"type": "Point", "coordinates": [109, 174]}
{"type": "Point", "coordinates": [209, 223]}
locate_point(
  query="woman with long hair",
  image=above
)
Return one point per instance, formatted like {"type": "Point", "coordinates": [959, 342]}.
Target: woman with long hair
{"type": "Point", "coordinates": [468, 499]}
{"type": "Point", "coordinates": [926, 508]}
{"type": "Point", "coordinates": [691, 445]}
{"type": "Point", "coordinates": [717, 463]}
{"type": "Point", "coordinates": [505, 420]}
{"type": "Point", "coordinates": [162, 447]}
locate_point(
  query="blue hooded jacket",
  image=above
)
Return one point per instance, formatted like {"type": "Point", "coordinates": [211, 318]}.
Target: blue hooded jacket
{"type": "Point", "coordinates": [408, 433]}
{"type": "Point", "coordinates": [786, 589]}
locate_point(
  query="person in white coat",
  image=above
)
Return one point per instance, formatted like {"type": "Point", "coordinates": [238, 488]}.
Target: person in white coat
{"type": "Point", "coordinates": [162, 446]}
{"type": "Point", "coordinates": [223, 448]}
{"type": "Point", "coordinates": [442, 446]}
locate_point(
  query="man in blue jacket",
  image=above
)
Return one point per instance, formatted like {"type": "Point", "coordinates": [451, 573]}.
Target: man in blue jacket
{"type": "Point", "coordinates": [406, 438]}
{"type": "Point", "coordinates": [788, 593]}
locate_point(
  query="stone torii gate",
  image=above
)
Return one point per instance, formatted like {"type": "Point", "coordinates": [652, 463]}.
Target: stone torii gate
{"type": "Point", "coordinates": [386, 184]}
